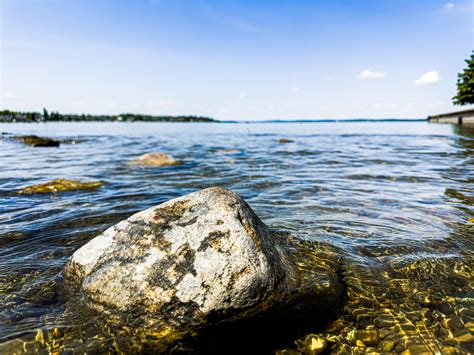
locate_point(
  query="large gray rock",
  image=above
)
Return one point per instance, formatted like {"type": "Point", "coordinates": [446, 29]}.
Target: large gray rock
{"type": "Point", "coordinates": [199, 259]}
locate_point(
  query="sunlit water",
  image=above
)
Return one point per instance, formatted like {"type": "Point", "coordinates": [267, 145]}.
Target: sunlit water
{"type": "Point", "coordinates": [395, 198]}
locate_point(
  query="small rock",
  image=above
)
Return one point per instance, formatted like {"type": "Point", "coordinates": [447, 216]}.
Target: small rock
{"type": "Point", "coordinates": [464, 337]}
{"type": "Point", "coordinates": [156, 159]}
{"type": "Point", "coordinates": [199, 260]}
{"type": "Point", "coordinates": [59, 185]}
{"type": "Point", "coordinates": [453, 324]}
{"type": "Point", "coordinates": [383, 333]}
{"type": "Point", "coordinates": [368, 337]}
{"type": "Point", "coordinates": [387, 345]}
{"type": "Point", "coordinates": [284, 140]}
{"type": "Point", "coordinates": [416, 349]}
{"type": "Point", "coordinates": [360, 344]}
{"type": "Point", "coordinates": [384, 321]}
{"type": "Point", "coordinates": [36, 141]}
{"type": "Point", "coordinates": [316, 344]}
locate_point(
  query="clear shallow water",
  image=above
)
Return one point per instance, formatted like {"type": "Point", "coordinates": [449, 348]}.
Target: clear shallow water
{"type": "Point", "coordinates": [396, 198]}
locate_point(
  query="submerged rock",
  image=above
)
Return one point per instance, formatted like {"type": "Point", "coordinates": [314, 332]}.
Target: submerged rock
{"type": "Point", "coordinates": [36, 141]}
{"type": "Point", "coordinates": [198, 260]}
{"type": "Point", "coordinates": [156, 159]}
{"type": "Point", "coordinates": [284, 140]}
{"type": "Point", "coordinates": [58, 185]}
{"type": "Point", "coordinates": [228, 151]}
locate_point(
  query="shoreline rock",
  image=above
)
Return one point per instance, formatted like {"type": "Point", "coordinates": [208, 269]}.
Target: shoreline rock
{"type": "Point", "coordinates": [156, 159]}
{"type": "Point", "coordinates": [199, 260]}
{"type": "Point", "coordinates": [60, 185]}
{"type": "Point", "coordinates": [36, 141]}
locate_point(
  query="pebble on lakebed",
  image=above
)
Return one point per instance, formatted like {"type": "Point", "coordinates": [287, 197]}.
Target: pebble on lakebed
{"type": "Point", "coordinates": [59, 185]}
{"type": "Point", "coordinates": [156, 159]}
{"type": "Point", "coordinates": [200, 260]}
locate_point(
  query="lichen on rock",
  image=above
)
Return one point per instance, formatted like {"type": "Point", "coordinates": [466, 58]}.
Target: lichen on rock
{"type": "Point", "coordinates": [59, 185]}
{"type": "Point", "coordinates": [200, 259]}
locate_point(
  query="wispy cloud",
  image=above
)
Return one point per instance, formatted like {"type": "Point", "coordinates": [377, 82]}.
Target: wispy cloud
{"type": "Point", "coordinates": [8, 95]}
{"type": "Point", "coordinates": [449, 6]}
{"type": "Point", "coordinates": [294, 89]}
{"type": "Point", "coordinates": [370, 74]}
{"type": "Point", "coordinates": [428, 78]}
{"type": "Point", "coordinates": [243, 95]}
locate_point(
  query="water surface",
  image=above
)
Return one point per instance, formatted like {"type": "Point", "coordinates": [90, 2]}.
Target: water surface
{"type": "Point", "coordinates": [395, 198]}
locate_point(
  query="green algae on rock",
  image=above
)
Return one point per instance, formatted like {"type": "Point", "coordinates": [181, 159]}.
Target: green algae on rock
{"type": "Point", "coordinates": [36, 141]}
{"type": "Point", "coordinates": [199, 260]}
{"type": "Point", "coordinates": [156, 159]}
{"type": "Point", "coordinates": [60, 185]}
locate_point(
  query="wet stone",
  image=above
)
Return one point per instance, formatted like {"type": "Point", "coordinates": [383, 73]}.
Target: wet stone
{"type": "Point", "coordinates": [416, 349]}
{"type": "Point", "coordinates": [199, 260]}
{"type": "Point", "coordinates": [363, 320]}
{"type": "Point", "coordinates": [387, 345]}
{"type": "Point", "coordinates": [36, 141]}
{"type": "Point", "coordinates": [383, 333]}
{"type": "Point", "coordinates": [384, 321]}
{"type": "Point", "coordinates": [454, 324]}
{"type": "Point", "coordinates": [156, 159]}
{"type": "Point", "coordinates": [463, 336]}
{"type": "Point", "coordinates": [312, 344]}
{"type": "Point", "coordinates": [368, 337]}
{"type": "Point", "coordinates": [59, 185]}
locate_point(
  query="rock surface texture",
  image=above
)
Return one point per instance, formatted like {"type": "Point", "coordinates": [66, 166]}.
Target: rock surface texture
{"type": "Point", "coordinates": [60, 185]}
{"type": "Point", "coordinates": [200, 259]}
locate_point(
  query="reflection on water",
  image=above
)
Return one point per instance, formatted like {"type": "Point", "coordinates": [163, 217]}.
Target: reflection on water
{"type": "Point", "coordinates": [394, 198]}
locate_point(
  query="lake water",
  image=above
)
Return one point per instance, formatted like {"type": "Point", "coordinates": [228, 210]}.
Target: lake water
{"type": "Point", "coordinates": [396, 198]}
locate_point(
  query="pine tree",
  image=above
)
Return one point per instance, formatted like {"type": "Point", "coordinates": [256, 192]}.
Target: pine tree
{"type": "Point", "coordinates": [465, 84]}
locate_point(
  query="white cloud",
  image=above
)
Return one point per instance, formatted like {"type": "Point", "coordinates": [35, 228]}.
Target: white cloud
{"type": "Point", "coordinates": [430, 77]}
{"type": "Point", "coordinates": [243, 95]}
{"type": "Point", "coordinates": [8, 95]}
{"type": "Point", "coordinates": [294, 89]}
{"type": "Point", "coordinates": [369, 74]}
{"type": "Point", "coordinates": [449, 5]}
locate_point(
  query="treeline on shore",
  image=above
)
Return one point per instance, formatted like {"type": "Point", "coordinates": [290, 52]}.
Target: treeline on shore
{"type": "Point", "coordinates": [45, 116]}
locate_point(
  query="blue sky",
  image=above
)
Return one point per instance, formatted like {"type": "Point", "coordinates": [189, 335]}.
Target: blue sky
{"type": "Point", "coordinates": [244, 60]}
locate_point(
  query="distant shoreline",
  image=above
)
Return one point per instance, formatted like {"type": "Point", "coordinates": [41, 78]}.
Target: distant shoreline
{"type": "Point", "coordinates": [8, 116]}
